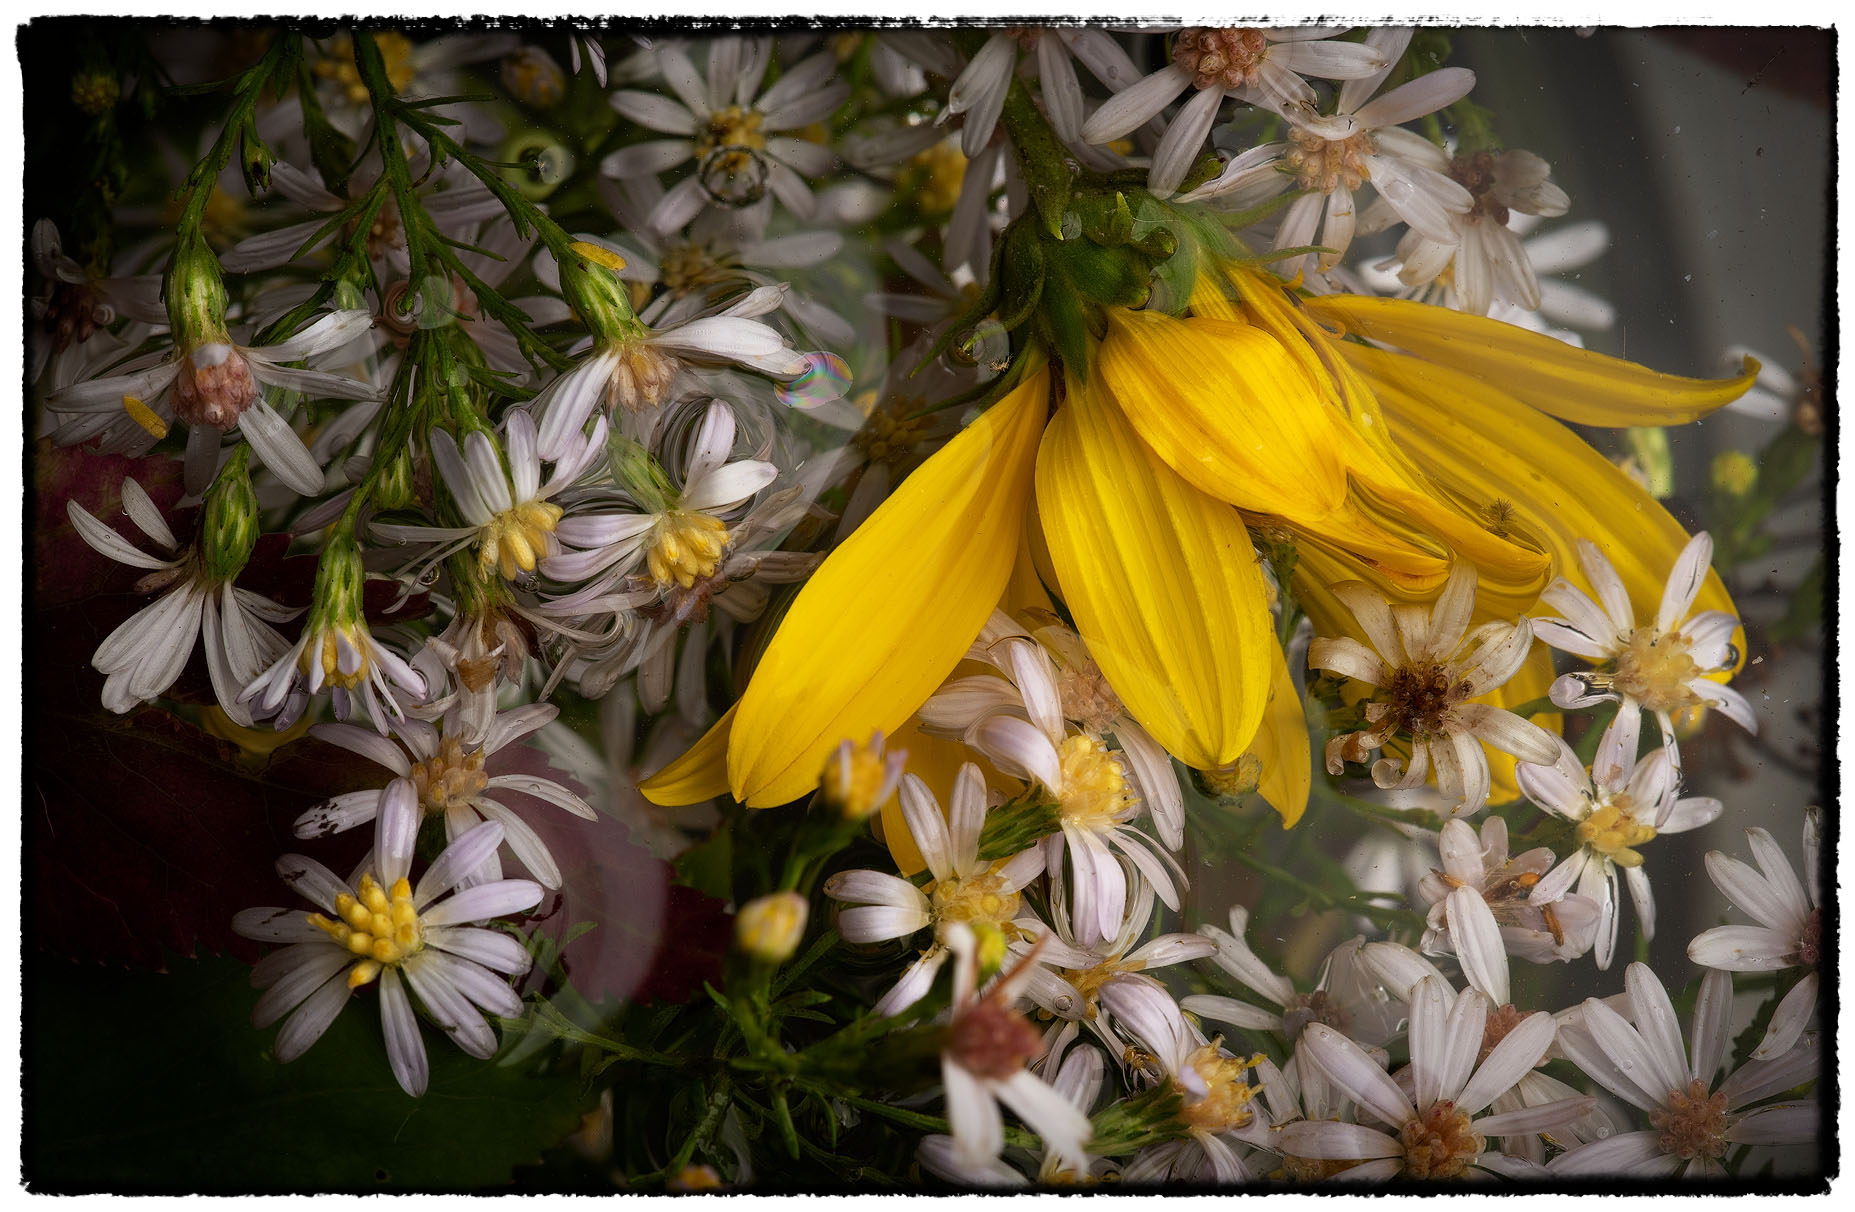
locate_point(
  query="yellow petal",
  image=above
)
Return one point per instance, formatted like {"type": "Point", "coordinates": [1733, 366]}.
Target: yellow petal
{"type": "Point", "coordinates": [887, 616]}
{"type": "Point", "coordinates": [1531, 475]}
{"type": "Point", "coordinates": [1163, 582]}
{"type": "Point", "coordinates": [1572, 384]}
{"type": "Point", "coordinates": [1282, 746]}
{"type": "Point", "coordinates": [700, 774]}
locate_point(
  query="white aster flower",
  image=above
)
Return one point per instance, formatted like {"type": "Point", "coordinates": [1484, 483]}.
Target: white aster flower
{"type": "Point", "coordinates": [1560, 929]}
{"type": "Point", "coordinates": [1434, 1130]}
{"type": "Point", "coordinates": [730, 128]}
{"type": "Point", "coordinates": [965, 890]}
{"type": "Point", "coordinates": [1347, 996]}
{"type": "Point", "coordinates": [1789, 933]}
{"type": "Point", "coordinates": [1431, 671]}
{"type": "Point", "coordinates": [979, 90]}
{"type": "Point", "coordinates": [1777, 394]}
{"type": "Point", "coordinates": [1660, 668]}
{"type": "Point", "coordinates": [141, 658]}
{"type": "Point", "coordinates": [381, 926]}
{"type": "Point", "coordinates": [1694, 1120]}
{"type": "Point", "coordinates": [1078, 1078]}
{"type": "Point", "coordinates": [1260, 66]}
{"type": "Point", "coordinates": [342, 655]}
{"type": "Point", "coordinates": [1216, 1096]}
{"type": "Point", "coordinates": [219, 385]}
{"type": "Point", "coordinates": [1617, 806]}
{"type": "Point", "coordinates": [77, 305]}
{"type": "Point", "coordinates": [982, 1064]}
{"type": "Point", "coordinates": [446, 776]}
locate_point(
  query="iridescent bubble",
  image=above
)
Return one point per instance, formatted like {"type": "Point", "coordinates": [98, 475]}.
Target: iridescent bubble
{"type": "Point", "coordinates": [826, 377]}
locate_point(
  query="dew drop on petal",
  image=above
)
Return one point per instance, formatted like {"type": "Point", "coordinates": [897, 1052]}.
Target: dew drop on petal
{"type": "Point", "coordinates": [825, 378]}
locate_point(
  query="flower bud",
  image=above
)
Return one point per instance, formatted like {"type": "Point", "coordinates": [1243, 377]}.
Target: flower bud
{"type": "Point", "coordinates": [195, 293]}
{"type": "Point", "coordinates": [1734, 473]}
{"type": "Point", "coordinates": [93, 92]}
{"type": "Point", "coordinates": [859, 779]}
{"type": "Point", "coordinates": [533, 78]}
{"type": "Point", "coordinates": [589, 280]}
{"type": "Point", "coordinates": [229, 527]}
{"type": "Point", "coordinates": [638, 473]}
{"type": "Point", "coordinates": [769, 928]}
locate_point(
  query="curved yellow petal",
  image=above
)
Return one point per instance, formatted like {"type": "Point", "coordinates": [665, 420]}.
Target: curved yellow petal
{"type": "Point", "coordinates": [700, 774]}
{"type": "Point", "coordinates": [1282, 747]}
{"type": "Point", "coordinates": [1572, 384]}
{"type": "Point", "coordinates": [888, 614]}
{"type": "Point", "coordinates": [1162, 581]}
{"type": "Point", "coordinates": [1527, 473]}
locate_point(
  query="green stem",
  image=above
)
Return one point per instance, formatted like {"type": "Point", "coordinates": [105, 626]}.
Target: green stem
{"type": "Point", "coordinates": [248, 88]}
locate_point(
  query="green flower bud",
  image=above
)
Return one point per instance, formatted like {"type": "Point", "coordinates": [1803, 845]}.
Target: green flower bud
{"type": "Point", "coordinates": [93, 92]}
{"type": "Point", "coordinates": [397, 487]}
{"type": "Point", "coordinates": [589, 280]}
{"type": "Point", "coordinates": [340, 578]}
{"type": "Point", "coordinates": [640, 475]}
{"type": "Point", "coordinates": [194, 292]}
{"type": "Point", "coordinates": [229, 527]}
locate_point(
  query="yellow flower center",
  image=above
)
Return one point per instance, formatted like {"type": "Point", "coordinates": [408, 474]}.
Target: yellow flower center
{"type": "Point", "coordinates": [1088, 981]}
{"type": "Point", "coordinates": [983, 899]}
{"type": "Point", "coordinates": [533, 78]}
{"type": "Point", "coordinates": [1227, 1105]}
{"type": "Point", "coordinates": [380, 926]}
{"type": "Point", "coordinates": [854, 779]}
{"type": "Point", "coordinates": [1095, 792]}
{"type": "Point", "coordinates": [1612, 831]}
{"type": "Point", "coordinates": [1324, 165]}
{"type": "Point", "coordinates": [688, 267]}
{"type": "Point", "coordinates": [451, 778]}
{"type": "Point", "coordinates": [516, 538]}
{"type": "Point", "coordinates": [1439, 1143]}
{"type": "Point", "coordinates": [935, 175]}
{"type": "Point", "coordinates": [1221, 58]}
{"type": "Point", "coordinates": [1692, 1122]}
{"type": "Point", "coordinates": [1654, 669]}
{"type": "Point", "coordinates": [686, 546]}
{"type": "Point", "coordinates": [892, 431]}
{"type": "Point", "coordinates": [731, 129]}
{"type": "Point", "coordinates": [729, 164]}
{"type": "Point", "coordinates": [327, 649]}
{"type": "Point", "coordinates": [338, 66]}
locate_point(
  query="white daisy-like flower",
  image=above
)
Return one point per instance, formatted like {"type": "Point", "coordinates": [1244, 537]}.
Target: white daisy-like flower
{"type": "Point", "coordinates": [730, 128]}
{"type": "Point", "coordinates": [141, 658]}
{"type": "Point", "coordinates": [634, 373]}
{"type": "Point", "coordinates": [1777, 394]}
{"type": "Point", "coordinates": [1347, 996]}
{"type": "Point", "coordinates": [978, 92]}
{"type": "Point", "coordinates": [1217, 1106]}
{"type": "Point", "coordinates": [1430, 671]}
{"type": "Point", "coordinates": [509, 515]}
{"type": "Point", "coordinates": [1560, 929]}
{"type": "Point", "coordinates": [383, 927]}
{"type": "Point", "coordinates": [1789, 933]}
{"type": "Point", "coordinates": [682, 534]}
{"type": "Point", "coordinates": [1694, 1119]}
{"type": "Point", "coordinates": [1434, 1129]}
{"type": "Point", "coordinates": [1617, 805]}
{"type": "Point", "coordinates": [965, 890]}
{"type": "Point", "coordinates": [1489, 263]}
{"type": "Point", "coordinates": [1660, 668]}
{"type": "Point", "coordinates": [76, 305]}
{"type": "Point", "coordinates": [451, 778]}
{"type": "Point", "coordinates": [983, 1062]}
{"type": "Point", "coordinates": [1078, 1078]}
{"type": "Point", "coordinates": [1049, 679]}
{"type": "Point", "coordinates": [1261, 66]}
{"type": "Point", "coordinates": [219, 385]}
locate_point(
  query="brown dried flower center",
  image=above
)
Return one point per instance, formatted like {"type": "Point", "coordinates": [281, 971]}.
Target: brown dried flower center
{"type": "Point", "coordinates": [450, 778]}
{"type": "Point", "coordinates": [1324, 165]}
{"type": "Point", "coordinates": [1439, 1143]}
{"type": "Point", "coordinates": [214, 393]}
{"type": "Point", "coordinates": [992, 1041]}
{"type": "Point", "coordinates": [1315, 1007]}
{"type": "Point", "coordinates": [1420, 700]}
{"type": "Point", "coordinates": [1692, 1122]}
{"type": "Point", "coordinates": [1475, 173]}
{"type": "Point", "coordinates": [1809, 946]}
{"type": "Point", "coordinates": [1221, 58]}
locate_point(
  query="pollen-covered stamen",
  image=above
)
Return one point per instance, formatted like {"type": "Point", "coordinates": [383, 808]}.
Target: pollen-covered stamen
{"type": "Point", "coordinates": [984, 899]}
{"type": "Point", "coordinates": [451, 778]}
{"type": "Point", "coordinates": [1226, 1105]}
{"type": "Point", "coordinates": [892, 431]}
{"type": "Point", "coordinates": [732, 130]}
{"type": "Point", "coordinates": [1501, 1020]}
{"type": "Point", "coordinates": [1221, 58]}
{"type": "Point", "coordinates": [1315, 1007]}
{"type": "Point", "coordinates": [1421, 697]}
{"type": "Point", "coordinates": [685, 547]}
{"type": "Point", "coordinates": [1087, 698]}
{"type": "Point", "coordinates": [342, 653]}
{"type": "Point", "coordinates": [688, 267]}
{"type": "Point", "coordinates": [1324, 165]}
{"type": "Point", "coordinates": [992, 1041]}
{"type": "Point", "coordinates": [1095, 792]}
{"type": "Point", "coordinates": [378, 925]}
{"type": "Point", "coordinates": [1692, 1123]}
{"type": "Point", "coordinates": [1439, 1143]}
{"type": "Point", "coordinates": [516, 539]}
{"type": "Point", "coordinates": [1654, 670]}
{"type": "Point", "coordinates": [1476, 173]}
{"type": "Point", "coordinates": [1613, 830]}
{"type": "Point", "coordinates": [215, 386]}
{"type": "Point", "coordinates": [1810, 945]}
{"type": "Point", "coordinates": [641, 377]}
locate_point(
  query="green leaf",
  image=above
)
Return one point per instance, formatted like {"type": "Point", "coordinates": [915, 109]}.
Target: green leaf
{"type": "Point", "coordinates": [157, 1083]}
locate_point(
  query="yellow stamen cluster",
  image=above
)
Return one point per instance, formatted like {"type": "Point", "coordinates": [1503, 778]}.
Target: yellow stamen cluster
{"type": "Point", "coordinates": [982, 899]}
{"type": "Point", "coordinates": [686, 547]}
{"type": "Point", "coordinates": [1226, 1106]}
{"type": "Point", "coordinates": [533, 78]}
{"type": "Point", "coordinates": [338, 66]}
{"type": "Point", "coordinates": [379, 925]}
{"type": "Point", "coordinates": [729, 140]}
{"type": "Point", "coordinates": [769, 928]}
{"type": "Point", "coordinates": [1613, 831]}
{"type": "Point", "coordinates": [516, 538]}
{"type": "Point", "coordinates": [856, 779]}
{"type": "Point", "coordinates": [892, 431]}
{"type": "Point", "coordinates": [451, 778]}
{"type": "Point", "coordinates": [1439, 1143]}
{"type": "Point", "coordinates": [935, 175]}
{"type": "Point", "coordinates": [1088, 982]}
{"type": "Point", "coordinates": [1095, 791]}
{"type": "Point", "coordinates": [1324, 165]}
{"type": "Point", "coordinates": [327, 648]}
{"type": "Point", "coordinates": [1654, 669]}
{"type": "Point", "coordinates": [688, 267]}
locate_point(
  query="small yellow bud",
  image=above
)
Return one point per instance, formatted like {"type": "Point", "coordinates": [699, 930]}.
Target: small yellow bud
{"type": "Point", "coordinates": [1734, 473]}
{"type": "Point", "coordinates": [769, 928]}
{"type": "Point", "coordinates": [859, 779]}
{"type": "Point", "coordinates": [1230, 783]}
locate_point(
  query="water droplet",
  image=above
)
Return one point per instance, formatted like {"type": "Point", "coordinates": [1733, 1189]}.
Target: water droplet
{"type": "Point", "coordinates": [825, 378]}
{"type": "Point", "coordinates": [1395, 191]}
{"type": "Point", "coordinates": [1603, 1131]}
